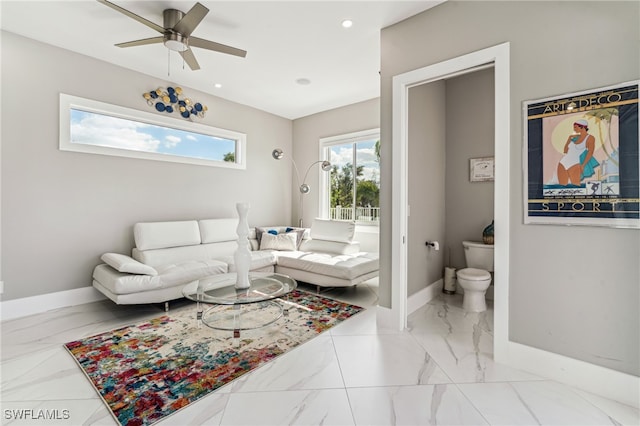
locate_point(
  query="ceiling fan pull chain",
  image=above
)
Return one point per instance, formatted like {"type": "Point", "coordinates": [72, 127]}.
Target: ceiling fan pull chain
{"type": "Point", "coordinates": [168, 62]}
{"type": "Point", "coordinates": [186, 43]}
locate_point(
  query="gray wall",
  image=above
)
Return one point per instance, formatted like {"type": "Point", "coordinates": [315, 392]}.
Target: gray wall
{"type": "Point", "coordinates": [559, 299]}
{"type": "Point", "coordinates": [470, 134]}
{"type": "Point", "coordinates": [445, 205]}
{"type": "Point", "coordinates": [427, 190]}
{"type": "Point", "coordinates": [308, 131]}
{"type": "Point", "coordinates": [62, 210]}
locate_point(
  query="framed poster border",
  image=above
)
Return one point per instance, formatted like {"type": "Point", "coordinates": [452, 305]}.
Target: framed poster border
{"type": "Point", "coordinates": [560, 203]}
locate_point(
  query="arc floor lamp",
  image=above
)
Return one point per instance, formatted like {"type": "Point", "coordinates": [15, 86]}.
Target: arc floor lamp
{"type": "Point", "coordinates": [303, 187]}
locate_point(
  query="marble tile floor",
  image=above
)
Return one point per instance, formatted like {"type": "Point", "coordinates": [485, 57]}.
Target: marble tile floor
{"type": "Point", "coordinates": [438, 371]}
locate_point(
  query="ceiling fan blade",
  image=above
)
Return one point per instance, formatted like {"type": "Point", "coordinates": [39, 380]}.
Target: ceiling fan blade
{"type": "Point", "coordinates": [217, 47]}
{"type": "Point", "coordinates": [190, 21]}
{"type": "Point", "coordinates": [142, 42]}
{"type": "Point", "coordinates": [190, 59]}
{"type": "Point", "coordinates": [138, 18]}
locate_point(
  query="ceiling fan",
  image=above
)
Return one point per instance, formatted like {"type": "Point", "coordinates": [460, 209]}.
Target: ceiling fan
{"type": "Point", "coordinates": [176, 33]}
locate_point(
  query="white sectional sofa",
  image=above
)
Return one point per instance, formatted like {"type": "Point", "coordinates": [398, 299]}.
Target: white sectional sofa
{"type": "Point", "coordinates": [169, 255]}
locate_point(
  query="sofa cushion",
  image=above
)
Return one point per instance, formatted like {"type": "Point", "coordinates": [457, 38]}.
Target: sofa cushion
{"type": "Point", "coordinates": [285, 241]}
{"type": "Point", "coordinates": [179, 273]}
{"type": "Point", "coordinates": [155, 235]}
{"type": "Point", "coordinates": [218, 230]}
{"type": "Point", "coordinates": [182, 254]}
{"type": "Point", "coordinates": [324, 246]}
{"type": "Point", "coordinates": [340, 266]}
{"type": "Point", "coordinates": [332, 230]}
{"type": "Point", "coordinates": [259, 260]}
{"type": "Point", "coordinates": [123, 263]}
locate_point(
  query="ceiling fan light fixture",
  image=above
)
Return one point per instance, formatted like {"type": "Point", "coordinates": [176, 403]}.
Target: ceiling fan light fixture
{"type": "Point", "coordinates": [175, 42]}
{"type": "Point", "coordinates": [176, 33]}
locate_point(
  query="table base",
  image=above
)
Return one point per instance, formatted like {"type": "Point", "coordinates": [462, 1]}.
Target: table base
{"type": "Point", "coordinates": [237, 318]}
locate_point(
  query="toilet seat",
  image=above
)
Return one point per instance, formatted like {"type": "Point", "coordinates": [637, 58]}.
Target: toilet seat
{"type": "Point", "coordinates": [473, 274]}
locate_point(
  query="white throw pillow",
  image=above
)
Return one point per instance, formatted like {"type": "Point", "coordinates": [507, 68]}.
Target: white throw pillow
{"type": "Point", "coordinates": [299, 234]}
{"type": "Point", "coordinates": [123, 263]}
{"type": "Point", "coordinates": [261, 230]}
{"type": "Point", "coordinates": [278, 242]}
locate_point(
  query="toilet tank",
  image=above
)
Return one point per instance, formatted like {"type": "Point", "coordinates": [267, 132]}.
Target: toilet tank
{"type": "Point", "coordinates": [478, 255]}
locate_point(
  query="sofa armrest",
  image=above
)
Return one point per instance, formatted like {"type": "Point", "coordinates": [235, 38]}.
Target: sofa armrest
{"type": "Point", "coordinates": [127, 264]}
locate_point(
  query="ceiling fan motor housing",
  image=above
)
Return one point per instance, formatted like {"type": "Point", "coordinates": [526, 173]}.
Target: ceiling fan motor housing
{"type": "Point", "coordinates": [173, 40]}
{"type": "Point", "coordinates": [171, 17]}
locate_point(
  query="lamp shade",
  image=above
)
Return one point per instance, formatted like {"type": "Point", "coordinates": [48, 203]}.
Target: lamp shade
{"type": "Point", "coordinates": [277, 154]}
{"type": "Point", "coordinates": [325, 166]}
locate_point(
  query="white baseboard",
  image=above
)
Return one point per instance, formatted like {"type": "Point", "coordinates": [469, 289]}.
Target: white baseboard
{"type": "Point", "coordinates": [591, 378]}
{"type": "Point", "coordinates": [424, 296]}
{"type": "Point", "coordinates": [385, 316]}
{"type": "Point", "coordinates": [605, 382]}
{"type": "Point", "coordinates": [17, 308]}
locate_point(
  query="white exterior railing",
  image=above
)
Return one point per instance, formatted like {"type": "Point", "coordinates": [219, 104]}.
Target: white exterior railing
{"type": "Point", "coordinates": [362, 214]}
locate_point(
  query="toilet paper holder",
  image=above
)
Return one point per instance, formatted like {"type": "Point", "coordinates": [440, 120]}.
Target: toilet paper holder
{"type": "Point", "coordinates": [434, 244]}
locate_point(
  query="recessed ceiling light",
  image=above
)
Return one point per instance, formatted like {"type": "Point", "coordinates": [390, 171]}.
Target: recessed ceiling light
{"type": "Point", "coordinates": [347, 23]}
{"type": "Point", "coordinates": [217, 85]}
{"type": "Point", "coordinates": [303, 81]}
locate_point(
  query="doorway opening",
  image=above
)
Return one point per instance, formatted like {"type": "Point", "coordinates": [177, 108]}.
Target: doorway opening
{"type": "Point", "coordinates": [498, 57]}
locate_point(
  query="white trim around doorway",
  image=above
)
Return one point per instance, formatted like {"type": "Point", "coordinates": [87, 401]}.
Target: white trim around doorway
{"type": "Point", "coordinates": [498, 57]}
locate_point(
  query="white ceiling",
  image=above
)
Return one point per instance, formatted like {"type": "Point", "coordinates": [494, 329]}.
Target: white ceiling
{"type": "Point", "coordinates": [285, 41]}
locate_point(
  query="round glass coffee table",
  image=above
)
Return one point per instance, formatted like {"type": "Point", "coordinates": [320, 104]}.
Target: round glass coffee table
{"type": "Point", "coordinates": [234, 309]}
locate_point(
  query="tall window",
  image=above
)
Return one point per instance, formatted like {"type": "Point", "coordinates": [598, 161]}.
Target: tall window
{"type": "Point", "coordinates": [352, 190]}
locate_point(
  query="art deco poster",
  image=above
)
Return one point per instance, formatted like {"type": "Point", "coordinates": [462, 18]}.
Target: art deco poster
{"type": "Point", "coordinates": [581, 158]}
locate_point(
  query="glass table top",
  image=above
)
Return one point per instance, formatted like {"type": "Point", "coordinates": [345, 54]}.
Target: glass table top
{"type": "Point", "coordinates": [220, 289]}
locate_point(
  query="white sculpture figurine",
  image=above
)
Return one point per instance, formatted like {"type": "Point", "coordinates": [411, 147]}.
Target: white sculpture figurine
{"type": "Point", "coordinates": [242, 256]}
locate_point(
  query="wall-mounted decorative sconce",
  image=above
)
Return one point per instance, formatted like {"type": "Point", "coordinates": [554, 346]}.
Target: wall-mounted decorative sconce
{"type": "Point", "coordinates": [303, 187]}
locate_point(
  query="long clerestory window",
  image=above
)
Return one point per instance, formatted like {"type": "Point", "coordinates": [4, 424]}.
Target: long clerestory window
{"type": "Point", "coordinates": [351, 191]}
{"type": "Point", "coordinates": [98, 128]}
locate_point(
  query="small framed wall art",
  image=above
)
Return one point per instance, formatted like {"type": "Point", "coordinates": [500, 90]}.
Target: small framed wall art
{"type": "Point", "coordinates": [581, 163]}
{"type": "Point", "coordinates": [481, 169]}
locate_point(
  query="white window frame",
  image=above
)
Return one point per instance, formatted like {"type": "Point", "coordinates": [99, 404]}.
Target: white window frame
{"type": "Point", "coordinates": [324, 178]}
{"type": "Point", "coordinates": [68, 102]}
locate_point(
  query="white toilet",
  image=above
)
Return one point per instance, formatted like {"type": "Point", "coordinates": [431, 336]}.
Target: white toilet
{"type": "Point", "coordinates": [476, 278]}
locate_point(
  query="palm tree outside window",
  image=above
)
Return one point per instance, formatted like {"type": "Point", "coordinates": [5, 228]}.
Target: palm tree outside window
{"type": "Point", "coordinates": [353, 188]}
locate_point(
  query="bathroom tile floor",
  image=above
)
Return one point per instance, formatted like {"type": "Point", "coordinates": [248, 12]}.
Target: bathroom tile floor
{"type": "Point", "coordinates": [438, 371]}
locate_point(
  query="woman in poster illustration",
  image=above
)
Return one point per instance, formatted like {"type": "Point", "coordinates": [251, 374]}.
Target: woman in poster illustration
{"type": "Point", "coordinates": [578, 162]}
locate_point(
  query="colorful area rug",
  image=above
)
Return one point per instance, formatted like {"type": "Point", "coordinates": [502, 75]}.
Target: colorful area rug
{"type": "Point", "coordinates": [148, 371]}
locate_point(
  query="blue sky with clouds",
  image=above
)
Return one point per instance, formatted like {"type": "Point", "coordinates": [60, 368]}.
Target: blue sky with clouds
{"type": "Point", "coordinates": [103, 130]}
{"type": "Point", "coordinates": [365, 156]}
